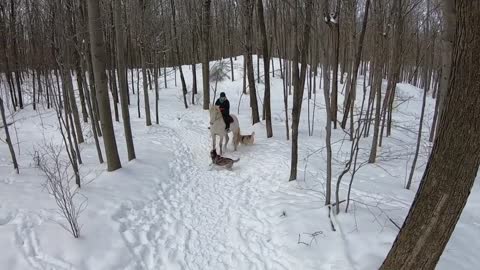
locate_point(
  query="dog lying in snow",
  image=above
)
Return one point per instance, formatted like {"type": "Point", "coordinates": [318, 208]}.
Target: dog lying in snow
{"type": "Point", "coordinates": [247, 139]}
{"type": "Point", "coordinates": [221, 161]}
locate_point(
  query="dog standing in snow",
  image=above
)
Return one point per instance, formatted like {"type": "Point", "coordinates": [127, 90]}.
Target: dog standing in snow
{"type": "Point", "coordinates": [247, 139]}
{"type": "Point", "coordinates": [222, 161]}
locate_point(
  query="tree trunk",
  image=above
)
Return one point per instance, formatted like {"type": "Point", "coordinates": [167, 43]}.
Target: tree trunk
{"type": "Point", "coordinates": [328, 144]}
{"type": "Point", "coordinates": [299, 78]}
{"type": "Point", "coordinates": [73, 106]}
{"type": "Point", "coordinates": [122, 77]}
{"type": "Point", "coordinates": [8, 140]}
{"type": "Point", "coordinates": [377, 76]}
{"type": "Point", "coordinates": [266, 68]}
{"type": "Point", "coordinates": [177, 53]}
{"type": "Point", "coordinates": [394, 69]}
{"type": "Point", "coordinates": [16, 66]}
{"type": "Point", "coordinates": [353, 82]}
{"type": "Point", "coordinates": [93, 117]}
{"type": "Point", "coordinates": [419, 139]}
{"type": "Point", "coordinates": [206, 57]}
{"type": "Point", "coordinates": [98, 59]}
{"type": "Point", "coordinates": [248, 24]}
{"type": "Point", "coordinates": [446, 183]}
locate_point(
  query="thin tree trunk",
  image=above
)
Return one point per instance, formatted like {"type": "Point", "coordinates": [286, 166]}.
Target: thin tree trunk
{"type": "Point", "coordinates": [419, 139]}
{"type": "Point", "coordinates": [73, 106]}
{"type": "Point", "coordinates": [248, 21]}
{"type": "Point", "coordinates": [148, 119]}
{"type": "Point", "coordinates": [377, 77]}
{"type": "Point", "coordinates": [13, 26]}
{"type": "Point", "coordinates": [206, 51]}
{"type": "Point", "coordinates": [328, 144]}
{"type": "Point", "coordinates": [93, 120]}
{"type": "Point", "coordinates": [8, 140]}
{"type": "Point", "coordinates": [299, 85]}
{"type": "Point", "coordinates": [122, 77]}
{"type": "Point", "coordinates": [353, 82]}
{"type": "Point", "coordinates": [177, 53]}
{"type": "Point", "coordinates": [266, 68]}
{"type": "Point", "coordinates": [336, 50]}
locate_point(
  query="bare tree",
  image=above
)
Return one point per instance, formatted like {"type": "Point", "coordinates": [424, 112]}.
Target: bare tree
{"type": "Point", "coordinates": [7, 139]}
{"type": "Point", "coordinates": [299, 81]}
{"type": "Point", "coordinates": [349, 104]}
{"type": "Point", "coordinates": [58, 185]}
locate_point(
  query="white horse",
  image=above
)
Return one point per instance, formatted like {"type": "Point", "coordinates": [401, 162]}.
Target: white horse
{"type": "Point", "coordinates": [217, 128]}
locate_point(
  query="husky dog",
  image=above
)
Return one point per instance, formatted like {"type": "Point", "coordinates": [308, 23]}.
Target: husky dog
{"type": "Point", "coordinates": [222, 161]}
{"type": "Point", "coordinates": [247, 139]}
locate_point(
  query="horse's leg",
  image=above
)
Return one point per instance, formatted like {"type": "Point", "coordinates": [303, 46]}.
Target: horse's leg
{"type": "Point", "coordinates": [214, 138]}
{"type": "Point", "coordinates": [236, 139]}
{"type": "Point", "coordinates": [221, 144]}
{"type": "Point", "coordinates": [227, 139]}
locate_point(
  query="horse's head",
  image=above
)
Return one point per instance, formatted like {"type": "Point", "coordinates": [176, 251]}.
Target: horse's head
{"type": "Point", "coordinates": [215, 114]}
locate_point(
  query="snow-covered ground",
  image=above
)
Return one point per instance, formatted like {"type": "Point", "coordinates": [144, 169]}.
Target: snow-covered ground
{"type": "Point", "coordinates": [168, 209]}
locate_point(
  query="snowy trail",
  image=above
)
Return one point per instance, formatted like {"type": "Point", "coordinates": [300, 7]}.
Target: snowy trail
{"type": "Point", "coordinates": [204, 218]}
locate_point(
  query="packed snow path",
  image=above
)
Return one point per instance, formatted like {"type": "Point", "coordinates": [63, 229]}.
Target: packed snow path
{"type": "Point", "coordinates": [168, 209]}
{"type": "Point", "coordinates": [204, 218]}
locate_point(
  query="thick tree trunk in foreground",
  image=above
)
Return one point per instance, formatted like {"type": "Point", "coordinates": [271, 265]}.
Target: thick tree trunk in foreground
{"type": "Point", "coordinates": [455, 158]}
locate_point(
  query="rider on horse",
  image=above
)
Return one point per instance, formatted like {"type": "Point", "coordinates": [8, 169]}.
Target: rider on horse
{"type": "Point", "coordinates": [224, 105]}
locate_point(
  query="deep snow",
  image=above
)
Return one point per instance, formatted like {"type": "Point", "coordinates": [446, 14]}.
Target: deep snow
{"type": "Point", "coordinates": [169, 209]}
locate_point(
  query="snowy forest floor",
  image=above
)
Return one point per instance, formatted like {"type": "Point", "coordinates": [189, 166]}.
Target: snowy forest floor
{"type": "Point", "coordinates": [169, 209]}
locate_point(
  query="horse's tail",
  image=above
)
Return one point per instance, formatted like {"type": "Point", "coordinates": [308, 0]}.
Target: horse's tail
{"type": "Point", "coordinates": [237, 136]}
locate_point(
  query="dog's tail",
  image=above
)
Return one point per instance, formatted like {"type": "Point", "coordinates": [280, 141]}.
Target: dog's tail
{"type": "Point", "coordinates": [236, 160]}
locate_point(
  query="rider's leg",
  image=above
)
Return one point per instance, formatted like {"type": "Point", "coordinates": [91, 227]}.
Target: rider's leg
{"type": "Point", "coordinates": [226, 120]}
